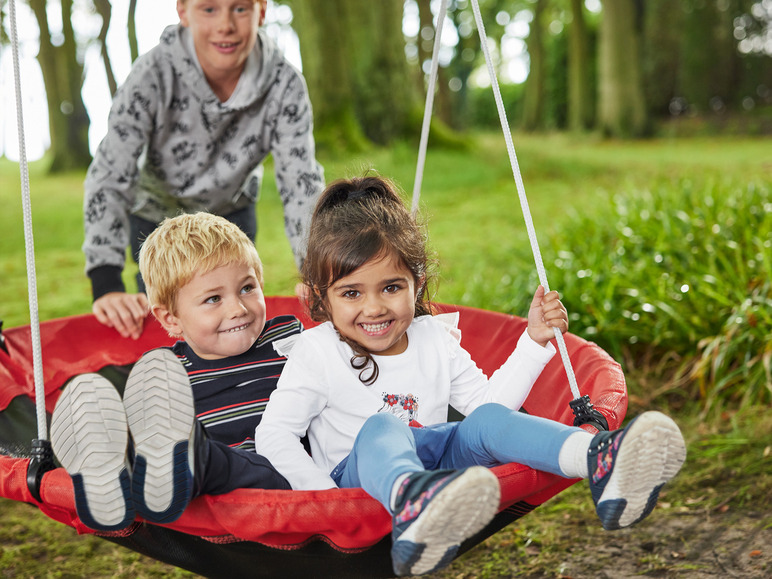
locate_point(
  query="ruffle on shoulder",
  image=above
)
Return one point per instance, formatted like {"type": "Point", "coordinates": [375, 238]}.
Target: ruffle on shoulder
{"type": "Point", "coordinates": [284, 346]}
{"type": "Point", "coordinates": [449, 322]}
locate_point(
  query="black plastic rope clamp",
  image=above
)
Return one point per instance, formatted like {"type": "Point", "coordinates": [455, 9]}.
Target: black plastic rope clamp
{"type": "Point", "coordinates": [2, 339]}
{"type": "Point", "coordinates": [41, 462]}
{"type": "Point", "coordinates": [585, 413]}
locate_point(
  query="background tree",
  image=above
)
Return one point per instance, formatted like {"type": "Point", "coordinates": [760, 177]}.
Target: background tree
{"type": "Point", "coordinates": [704, 73]}
{"type": "Point", "coordinates": [63, 78]}
{"type": "Point", "coordinates": [620, 70]}
{"type": "Point", "coordinates": [104, 8]}
{"type": "Point", "coordinates": [663, 28]}
{"type": "Point", "coordinates": [533, 96]}
{"type": "Point", "coordinates": [580, 96]}
{"type": "Point", "coordinates": [467, 56]}
{"type": "Point", "coordinates": [131, 30]}
{"type": "Point", "coordinates": [621, 103]}
{"type": "Point", "coordinates": [424, 43]}
{"type": "Point", "coordinates": [355, 66]}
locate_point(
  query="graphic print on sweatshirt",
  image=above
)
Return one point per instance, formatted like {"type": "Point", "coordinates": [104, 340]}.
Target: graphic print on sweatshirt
{"type": "Point", "coordinates": [403, 406]}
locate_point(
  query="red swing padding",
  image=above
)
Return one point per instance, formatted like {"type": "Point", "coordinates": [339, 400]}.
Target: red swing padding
{"type": "Point", "coordinates": [347, 519]}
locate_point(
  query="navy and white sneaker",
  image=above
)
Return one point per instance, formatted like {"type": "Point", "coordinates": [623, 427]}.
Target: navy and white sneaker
{"type": "Point", "coordinates": [435, 511]}
{"type": "Point", "coordinates": [89, 435]}
{"type": "Point", "coordinates": [161, 417]}
{"type": "Point", "coordinates": [628, 467]}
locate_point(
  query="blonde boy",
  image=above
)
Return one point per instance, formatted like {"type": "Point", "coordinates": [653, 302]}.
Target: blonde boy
{"type": "Point", "coordinates": [191, 409]}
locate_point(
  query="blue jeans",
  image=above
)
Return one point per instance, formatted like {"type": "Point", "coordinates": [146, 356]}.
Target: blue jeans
{"type": "Point", "coordinates": [387, 448]}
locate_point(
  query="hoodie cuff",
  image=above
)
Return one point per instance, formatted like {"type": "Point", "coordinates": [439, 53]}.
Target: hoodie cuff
{"type": "Point", "coordinates": [106, 279]}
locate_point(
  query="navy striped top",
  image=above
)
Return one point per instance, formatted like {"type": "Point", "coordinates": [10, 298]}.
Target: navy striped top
{"type": "Point", "coordinates": [231, 393]}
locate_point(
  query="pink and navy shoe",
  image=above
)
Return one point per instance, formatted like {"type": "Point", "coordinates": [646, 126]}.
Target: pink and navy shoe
{"type": "Point", "coordinates": [628, 467]}
{"type": "Point", "coordinates": [435, 512]}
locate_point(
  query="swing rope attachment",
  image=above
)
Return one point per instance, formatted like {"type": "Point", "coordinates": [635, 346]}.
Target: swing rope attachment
{"type": "Point", "coordinates": [41, 462]}
{"type": "Point", "coordinates": [585, 413]}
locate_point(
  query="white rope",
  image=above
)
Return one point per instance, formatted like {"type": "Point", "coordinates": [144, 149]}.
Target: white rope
{"type": "Point", "coordinates": [419, 172]}
{"type": "Point", "coordinates": [521, 192]}
{"type": "Point", "coordinates": [37, 358]}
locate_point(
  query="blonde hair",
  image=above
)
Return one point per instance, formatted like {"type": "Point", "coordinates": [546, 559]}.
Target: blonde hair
{"type": "Point", "coordinates": [183, 246]}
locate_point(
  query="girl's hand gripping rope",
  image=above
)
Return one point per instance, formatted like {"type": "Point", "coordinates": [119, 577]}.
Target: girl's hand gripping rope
{"type": "Point", "coordinates": [546, 313]}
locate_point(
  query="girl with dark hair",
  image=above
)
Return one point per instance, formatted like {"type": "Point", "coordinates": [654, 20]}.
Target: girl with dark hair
{"type": "Point", "coordinates": [371, 385]}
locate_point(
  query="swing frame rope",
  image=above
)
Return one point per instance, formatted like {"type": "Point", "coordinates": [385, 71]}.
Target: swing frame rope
{"type": "Point", "coordinates": [581, 405]}
{"type": "Point", "coordinates": [42, 459]}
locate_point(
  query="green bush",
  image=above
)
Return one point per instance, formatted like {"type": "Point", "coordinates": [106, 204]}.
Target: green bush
{"type": "Point", "coordinates": [678, 269]}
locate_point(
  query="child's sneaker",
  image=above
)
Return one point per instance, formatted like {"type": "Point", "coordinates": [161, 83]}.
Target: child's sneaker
{"type": "Point", "coordinates": [89, 436]}
{"type": "Point", "coordinates": [435, 512]}
{"type": "Point", "coordinates": [629, 467]}
{"type": "Point", "coordinates": [161, 417]}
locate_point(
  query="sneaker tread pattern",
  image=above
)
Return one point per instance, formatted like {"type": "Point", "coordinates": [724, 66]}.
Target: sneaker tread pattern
{"type": "Point", "coordinates": [650, 454]}
{"type": "Point", "coordinates": [160, 410]}
{"type": "Point", "coordinates": [89, 437]}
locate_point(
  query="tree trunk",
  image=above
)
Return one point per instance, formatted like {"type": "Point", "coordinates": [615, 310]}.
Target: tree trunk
{"type": "Point", "coordinates": [324, 44]}
{"type": "Point", "coordinates": [104, 9]}
{"type": "Point", "coordinates": [354, 63]}
{"type": "Point", "coordinates": [533, 94]}
{"type": "Point", "coordinates": [709, 54]}
{"type": "Point", "coordinates": [131, 29]}
{"type": "Point", "coordinates": [622, 108]}
{"type": "Point", "coordinates": [663, 29]}
{"type": "Point", "coordinates": [63, 79]}
{"type": "Point", "coordinates": [580, 90]}
{"type": "Point", "coordinates": [384, 96]}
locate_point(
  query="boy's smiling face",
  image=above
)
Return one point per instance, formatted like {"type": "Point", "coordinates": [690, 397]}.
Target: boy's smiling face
{"type": "Point", "coordinates": [220, 313]}
{"type": "Point", "coordinates": [224, 33]}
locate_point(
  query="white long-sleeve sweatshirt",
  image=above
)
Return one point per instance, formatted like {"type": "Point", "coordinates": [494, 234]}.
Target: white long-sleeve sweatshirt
{"type": "Point", "coordinates": [319, 393]}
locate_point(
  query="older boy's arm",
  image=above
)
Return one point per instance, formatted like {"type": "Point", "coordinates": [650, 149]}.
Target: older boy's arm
{"type": "Point", "coordinates": [108, 196]}
{"type": "Point", "coordinates": [299, 177]}
{"type": "Point", "coordinates": [109, 186]}
{"type": "Point", "coordinates": [106, 223]}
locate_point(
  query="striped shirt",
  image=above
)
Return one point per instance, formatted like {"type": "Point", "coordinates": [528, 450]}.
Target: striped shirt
{"type": "Point", "coordinates": [230, 394]}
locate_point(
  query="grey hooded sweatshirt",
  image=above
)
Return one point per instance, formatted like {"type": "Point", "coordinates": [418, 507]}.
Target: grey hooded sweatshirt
{"type": "Point", "coordinates": [173, 147]}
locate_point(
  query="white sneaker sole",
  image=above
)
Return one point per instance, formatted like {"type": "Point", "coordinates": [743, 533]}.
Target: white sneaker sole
{"type": "Point", "coordinates": [650, 454]}
{"type": "Point", "coordinates": [460, 510]}
{"type": "Point", "coordinates": [89, 435]}
{"type": "Point", "coordinates": [160, 412]}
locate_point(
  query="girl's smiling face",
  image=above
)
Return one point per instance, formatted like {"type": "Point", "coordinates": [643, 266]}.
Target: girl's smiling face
{"type": "Point", "coordinates": [375, 305]}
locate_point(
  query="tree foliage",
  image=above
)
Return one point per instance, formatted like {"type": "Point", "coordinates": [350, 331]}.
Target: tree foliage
{"type": "Point", "coordinates": [619, 70]}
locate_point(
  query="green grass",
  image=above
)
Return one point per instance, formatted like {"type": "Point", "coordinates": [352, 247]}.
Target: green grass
{"type": "Point", "coordinates": [726, 478]}
{"type": "Point", "coordinates": [583, 193]}
{"type": "Point", "coordinates": [469, 198]}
